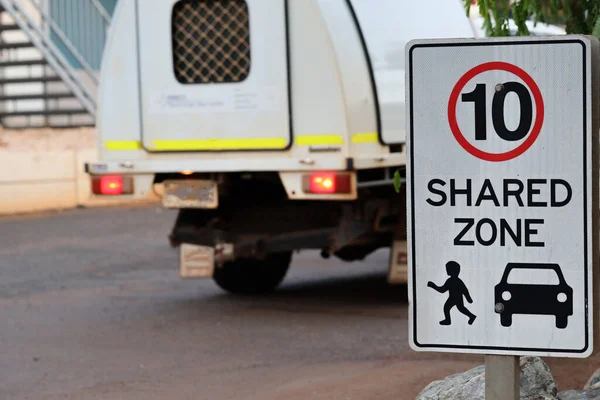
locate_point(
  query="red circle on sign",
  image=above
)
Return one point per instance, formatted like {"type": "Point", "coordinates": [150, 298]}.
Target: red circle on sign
{"type": "Point", "coordinates": [539, 110]}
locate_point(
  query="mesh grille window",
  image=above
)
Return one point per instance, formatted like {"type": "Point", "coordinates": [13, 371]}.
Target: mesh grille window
{"type": "Point", "coordinates": [211, 41]}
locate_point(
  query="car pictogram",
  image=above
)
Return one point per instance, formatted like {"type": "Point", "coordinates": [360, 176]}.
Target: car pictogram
{"type": "Point", "coordinates": [535, 299]}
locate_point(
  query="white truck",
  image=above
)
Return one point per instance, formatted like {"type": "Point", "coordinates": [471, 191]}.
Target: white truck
{"type": "Point", "coordinates": [273, 125]}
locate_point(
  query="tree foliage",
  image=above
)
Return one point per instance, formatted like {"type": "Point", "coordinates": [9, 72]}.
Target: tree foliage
{"type": "Point", "coordinates": [578, 16]}
{"type": "Point", "coordinates": [397, 181]}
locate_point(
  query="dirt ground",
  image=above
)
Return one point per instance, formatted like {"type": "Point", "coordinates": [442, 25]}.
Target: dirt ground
{"type": "Point", "coordinates": [92, 308]}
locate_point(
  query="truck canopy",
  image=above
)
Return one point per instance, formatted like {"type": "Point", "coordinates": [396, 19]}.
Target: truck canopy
{"type": "Point", "coordinates": [269, 85]}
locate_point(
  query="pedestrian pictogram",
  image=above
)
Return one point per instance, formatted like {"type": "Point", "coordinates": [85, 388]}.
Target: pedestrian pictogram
{"type": "Point", "coordinates": [502, 192]}
{"type": "Point", "coordinates": [456, 289]}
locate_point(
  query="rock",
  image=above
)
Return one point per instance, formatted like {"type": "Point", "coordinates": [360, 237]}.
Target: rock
{"type": "Point", "coordinates": [468, 385]}
{"type": "Point", "coordinates": [591, 390]}
{"type": "Point", "coordinates": [537, 383]}
{"type": "Point", "coordinates": [588, 394]}
{"type": "Point", "coordinates": [536, 380]}
{"type": "Point", "coordinates": [594, 381]}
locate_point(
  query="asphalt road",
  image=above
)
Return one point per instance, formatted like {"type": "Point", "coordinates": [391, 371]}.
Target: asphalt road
{"type": "Point", "coordinates": [91, 307]}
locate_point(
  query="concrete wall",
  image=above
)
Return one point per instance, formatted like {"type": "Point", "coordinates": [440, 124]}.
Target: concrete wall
{"type": "Point", "coordinates": [48, 176]}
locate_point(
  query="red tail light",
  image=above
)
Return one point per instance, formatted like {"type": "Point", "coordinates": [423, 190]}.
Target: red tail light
{"type": "Point", "coordinates": [112, 185]}
{"type": "Point", "coordinates": [327, 183]}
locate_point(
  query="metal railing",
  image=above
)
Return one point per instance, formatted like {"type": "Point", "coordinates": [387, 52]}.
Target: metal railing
{"type": "Point", "coordinates": [71, 35]}
{"type": "Point", "coordinates": [78, 25]}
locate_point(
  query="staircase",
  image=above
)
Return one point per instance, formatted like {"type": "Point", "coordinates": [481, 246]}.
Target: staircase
{"type": "Point", "coordinates": [45, 79]}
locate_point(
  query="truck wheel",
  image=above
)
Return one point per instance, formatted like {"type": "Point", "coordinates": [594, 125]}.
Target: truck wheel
{"type": "Point", "coordinates": [253, 276]}
{"type": "Point", "coordinates": [506, 319]}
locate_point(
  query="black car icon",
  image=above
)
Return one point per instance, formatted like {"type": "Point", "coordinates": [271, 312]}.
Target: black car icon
{"type": "Point", "coordinates": [527, 298]}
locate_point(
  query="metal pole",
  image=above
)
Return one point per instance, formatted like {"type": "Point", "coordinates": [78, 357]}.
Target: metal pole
{"type": "Point", "coordinates": [502, 377]}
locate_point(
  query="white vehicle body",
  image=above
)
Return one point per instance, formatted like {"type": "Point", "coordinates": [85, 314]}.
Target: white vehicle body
{"type": "Point", "coordinates": [310, 86]}
{"type": "Point", "coordinates": [324, 91]}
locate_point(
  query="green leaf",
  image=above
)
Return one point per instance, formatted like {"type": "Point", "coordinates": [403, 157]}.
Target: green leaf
{"type": "Point", "coordinates": [577, 16]}
{"type": "Point", "coordinates": [397, 181]}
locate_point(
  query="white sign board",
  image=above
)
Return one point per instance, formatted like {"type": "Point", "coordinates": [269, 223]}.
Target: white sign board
{"type": "Point", "coordinates": [502, 182]}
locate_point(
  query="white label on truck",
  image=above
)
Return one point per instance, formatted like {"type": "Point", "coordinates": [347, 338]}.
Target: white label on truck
{"type": "Point", "coordinates": [182, 103]}
{"type": "Point", "coordinates": [216, 101]}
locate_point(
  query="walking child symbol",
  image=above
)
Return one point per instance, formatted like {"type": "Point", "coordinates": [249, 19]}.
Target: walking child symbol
{"type": "Point", "coordinates": [457, 289]}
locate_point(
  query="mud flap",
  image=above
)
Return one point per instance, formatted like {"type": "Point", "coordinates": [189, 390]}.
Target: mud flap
{"type": "Point", "coordinates": [398, 270]}
{"type": "Point", "coordinates": [196, 262]}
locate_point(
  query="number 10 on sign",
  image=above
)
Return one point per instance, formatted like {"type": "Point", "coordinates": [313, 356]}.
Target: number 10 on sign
{"type": "Point", "coordinates": [529, 99]}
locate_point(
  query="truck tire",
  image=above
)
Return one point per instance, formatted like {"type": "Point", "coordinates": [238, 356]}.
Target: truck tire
{"type": "Point", "coordinates": [253, 276]}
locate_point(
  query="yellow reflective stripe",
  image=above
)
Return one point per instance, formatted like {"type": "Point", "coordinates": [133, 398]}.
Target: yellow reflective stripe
{"type": "Point", "coordinates": [123, 145]}
{"type": "Point", "coordinates": [242, 144]}
{"type": "Point", "coordinates": [220, 144]}
{"type": "Point", "coordinates": [365, 137]}
{"type": "Point", "coordinates": [309, 140]}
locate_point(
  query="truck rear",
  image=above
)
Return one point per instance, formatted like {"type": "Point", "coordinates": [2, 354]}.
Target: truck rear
{"type": "Point", "coordinates": [272, 125]}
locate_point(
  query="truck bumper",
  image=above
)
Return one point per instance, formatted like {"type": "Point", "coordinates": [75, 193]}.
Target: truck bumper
{"type": "Point", "coordinates": [267, 163]}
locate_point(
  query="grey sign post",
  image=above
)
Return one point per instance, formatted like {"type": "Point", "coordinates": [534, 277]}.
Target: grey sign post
{"type": "Point", "coordinates": [502, 201]}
